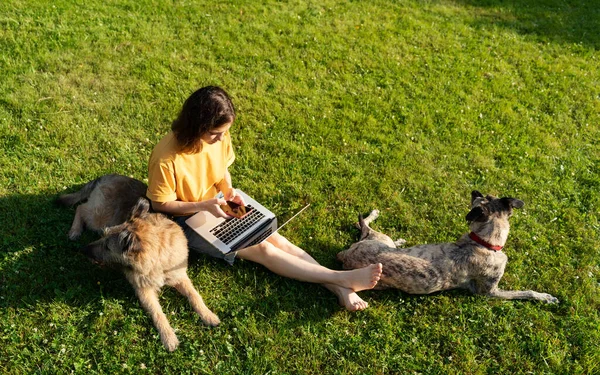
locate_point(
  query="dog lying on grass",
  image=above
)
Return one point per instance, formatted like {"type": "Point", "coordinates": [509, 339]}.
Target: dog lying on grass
{"type": "Point", "coordinates": [109, 200]}
{"type": "Point", "coordinates": [474, 262]}
{"type": "Point", "coordinates": [150, 249]}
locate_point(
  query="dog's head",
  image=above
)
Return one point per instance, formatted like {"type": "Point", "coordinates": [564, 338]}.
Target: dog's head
{"type": "Point", "coordinates": [491, 210]}
{"type": "Point", "coordinates": [120, 244]}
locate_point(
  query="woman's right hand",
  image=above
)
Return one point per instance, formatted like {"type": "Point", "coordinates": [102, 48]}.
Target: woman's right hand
{"type": "Point", "coordinates": [214, 207]}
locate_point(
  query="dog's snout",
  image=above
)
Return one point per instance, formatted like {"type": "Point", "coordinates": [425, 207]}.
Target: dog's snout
{"type": "Point", "coordinates": [91, 251]}
{"type": "Point", "coordinates": [88, 250]}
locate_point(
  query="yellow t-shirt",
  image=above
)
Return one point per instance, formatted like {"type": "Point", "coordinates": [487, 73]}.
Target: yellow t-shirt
{"type": "Point", "coordinates": [187, 177]}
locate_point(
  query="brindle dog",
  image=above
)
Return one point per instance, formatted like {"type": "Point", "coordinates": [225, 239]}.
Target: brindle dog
{"type": "Point", "coordinates": [148, 248]}
{"type": "Point", "coordinates": [474, 262]}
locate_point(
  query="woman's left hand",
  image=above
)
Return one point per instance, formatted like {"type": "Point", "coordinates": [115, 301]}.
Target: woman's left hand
{"type": "Point", "coordinates": [232, 196]}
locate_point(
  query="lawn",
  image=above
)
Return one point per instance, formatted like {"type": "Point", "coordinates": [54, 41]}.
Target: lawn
{"type": "Point", "coordinates": [404, 106]}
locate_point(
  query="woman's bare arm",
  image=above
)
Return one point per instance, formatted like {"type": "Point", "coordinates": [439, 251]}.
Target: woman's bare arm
{"type": "Point", "coordinates": [226, 187]}
{"type": "Point", "coordinates": [179, 208]}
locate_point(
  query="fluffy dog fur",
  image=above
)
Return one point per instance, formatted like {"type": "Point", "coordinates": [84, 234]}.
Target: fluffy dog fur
{"type": "Point", "coordinates": [468, 263]}
{"type": "Point", "coordinates": [109, 198]}
{"type": "Point", "coordinates": [148, 248]}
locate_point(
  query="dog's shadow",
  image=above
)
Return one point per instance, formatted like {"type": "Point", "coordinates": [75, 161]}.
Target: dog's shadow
{"type": "Point", "coordinates": [39, 263]}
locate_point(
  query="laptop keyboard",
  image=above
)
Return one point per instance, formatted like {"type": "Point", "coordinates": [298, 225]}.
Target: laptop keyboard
{"type": "Point", "coordinates": [232, 228]}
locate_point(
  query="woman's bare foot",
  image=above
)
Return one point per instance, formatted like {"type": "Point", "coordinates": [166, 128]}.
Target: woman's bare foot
{"type": "Point", "coordinates": [347, 297]}
{"type": "Point", "coordinates": [362, 278]}
{"type": "Point", "coordinates": [352, 302]}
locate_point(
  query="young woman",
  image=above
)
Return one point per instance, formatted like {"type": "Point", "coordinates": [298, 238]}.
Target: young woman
{"type": "Point", "coordinates": [189, 167]}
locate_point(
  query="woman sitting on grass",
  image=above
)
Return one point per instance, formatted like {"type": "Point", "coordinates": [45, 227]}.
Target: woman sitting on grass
{"type": "Point", "coordinates": [188, 168]}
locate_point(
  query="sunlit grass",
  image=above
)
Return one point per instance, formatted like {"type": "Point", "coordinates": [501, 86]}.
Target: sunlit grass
{"type": "Point", "coordinates": [401, 106]}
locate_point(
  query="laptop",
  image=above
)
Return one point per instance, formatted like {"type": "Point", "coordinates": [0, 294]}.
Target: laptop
{"type": "Point", "coordinates": [233, 234]}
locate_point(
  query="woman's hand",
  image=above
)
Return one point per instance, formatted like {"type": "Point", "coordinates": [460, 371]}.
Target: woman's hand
{"type": "Point", "coordinates": [231, 195]}
{"type": "Point", "coordinates": [214, 207]}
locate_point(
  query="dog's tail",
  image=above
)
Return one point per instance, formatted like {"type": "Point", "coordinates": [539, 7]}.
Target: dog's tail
{"type": "Point", "coordinates": [78, 196]}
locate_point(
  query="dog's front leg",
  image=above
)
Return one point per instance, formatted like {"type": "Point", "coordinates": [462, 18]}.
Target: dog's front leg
{"type": "Point", "coordinates": [186, 288]}
{"type": "Point", "coordinates": [522, 294]}
{"type": "Point", "coordinates": [149, 300]}
{"type": "Point", "coordinates": [489, 287]}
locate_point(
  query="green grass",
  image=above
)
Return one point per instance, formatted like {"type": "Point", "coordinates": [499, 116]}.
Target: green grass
{"type": "Point", "coordinates": [402, 106]}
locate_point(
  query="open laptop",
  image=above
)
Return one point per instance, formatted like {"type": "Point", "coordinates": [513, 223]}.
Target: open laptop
{"type": "Point", "coordinates": [232, 234]}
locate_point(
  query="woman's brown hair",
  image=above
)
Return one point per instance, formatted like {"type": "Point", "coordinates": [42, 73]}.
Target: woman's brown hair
{"type": "Point", "coordinates": [206, 109]}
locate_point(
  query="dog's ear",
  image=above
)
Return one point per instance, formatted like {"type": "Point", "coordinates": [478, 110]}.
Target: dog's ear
{"type": "Point", "coordinates": [140, 209]}
{"type": "Point", "coordinates": [474, 195]}
{"type": "Point", "coordinates": [129, 242]}
{"type": "Point", "coordinates": [475, 214]}
{"type": "Point", "coordinates": [513, 202]}
{"type": "Point", "coordinates": [113, 230]}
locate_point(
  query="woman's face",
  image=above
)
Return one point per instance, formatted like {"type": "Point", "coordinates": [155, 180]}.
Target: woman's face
{"type": "Point", "coordinates": [215, 135]}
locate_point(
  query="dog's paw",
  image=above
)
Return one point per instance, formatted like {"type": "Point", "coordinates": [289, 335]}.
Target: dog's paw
{"type": "Point", "coordinates": [74, 234]}
{"type": "Point", "coordinates": [549, 298]}
{"type": "Point", "coordinates": [211, 319]}
{"type": "Point", "coordinates": [400, 242]}
{"type": "Point", "coordinates": [170, 341]}
{"type": "Point", "coordinates": [372, 216]}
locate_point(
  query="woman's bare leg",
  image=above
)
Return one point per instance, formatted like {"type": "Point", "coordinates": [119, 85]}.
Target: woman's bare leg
{"type": "Point", "coordinates": [300, 266]}
{"type": "Point", "coordinates": [347, 297]}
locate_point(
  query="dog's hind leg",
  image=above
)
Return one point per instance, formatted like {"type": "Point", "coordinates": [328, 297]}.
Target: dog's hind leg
{"type": "Point", "coordinates": [366, 221]}
{"type": "Point", "coordinates": [78, 223]}
{"type": "Point", "coordinates": [85, 217]}
{"type": "Point", "coordinates": [368, 234]}
{"type": "Point", "coordinates": [372, 216]}
{"type": "Point", "coordinates": [186, 288]}
{"type": "Point", "coordinates": [363, 224]}
{"type": "Point", "coordinates": [149, 300]}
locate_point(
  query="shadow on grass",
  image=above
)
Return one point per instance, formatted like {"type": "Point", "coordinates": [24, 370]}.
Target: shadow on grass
{"type": "Point", "coordinates": [558, 21]}
{"type": "Point", "coordinates": [41, 265]}
{"type": "Point", "coordinates": [39, 262]}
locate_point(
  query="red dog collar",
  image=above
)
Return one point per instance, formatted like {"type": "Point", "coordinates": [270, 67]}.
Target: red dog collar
{"type": "Point", "coordinates": [488, 245]}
